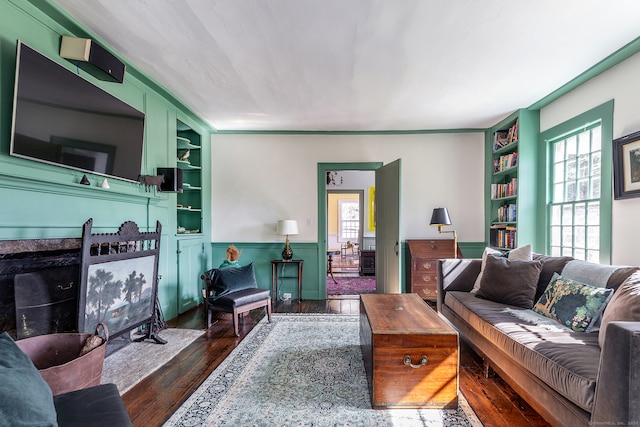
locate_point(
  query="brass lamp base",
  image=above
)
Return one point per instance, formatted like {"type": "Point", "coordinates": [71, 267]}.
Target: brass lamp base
{"type": "Point", "coordinates": [287, 252]}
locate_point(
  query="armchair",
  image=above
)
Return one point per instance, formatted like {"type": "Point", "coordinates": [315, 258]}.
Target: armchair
{"type": "Point", "coordinates": [233, 290]}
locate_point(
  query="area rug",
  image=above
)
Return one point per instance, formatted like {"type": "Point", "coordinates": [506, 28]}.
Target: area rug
{"type": "Point", "coordinates": [134, 362]}
{"type": "Point", "coordinates": [351, 285]}
{"type": "Point", "coordinates": [300, 370]}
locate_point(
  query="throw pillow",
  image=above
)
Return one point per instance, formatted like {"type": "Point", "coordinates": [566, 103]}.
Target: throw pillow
{"type": "Point", "coordinates": [227, 280]}
{"type": "Point", "coordinates": [510, 282]}
{"type": "Point", "coordinates": [550, 265]}
{"type": "Point", "coordinates": [26, 397]}
{"type": "Point", "coordinates": [572, 303]}
{"type": "Point", "coordinates": [624, 305]}
{"type": "Point", "coordinates": [522, 253]}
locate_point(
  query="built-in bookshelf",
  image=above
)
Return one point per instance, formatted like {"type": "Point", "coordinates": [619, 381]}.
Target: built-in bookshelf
{"type": "Point", "coordinates": [511, 193]}
{"type": "Point", "coordinates": [189, 201]}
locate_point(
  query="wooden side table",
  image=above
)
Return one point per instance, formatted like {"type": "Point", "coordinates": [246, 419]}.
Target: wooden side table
{"type": "Point", "coordinates": [275, 277]}
{"type": "Point", "coordinates": [423, 257]}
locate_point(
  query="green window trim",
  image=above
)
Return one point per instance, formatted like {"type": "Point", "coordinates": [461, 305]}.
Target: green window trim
{"type": "Point", "coordinates": [604, 115]}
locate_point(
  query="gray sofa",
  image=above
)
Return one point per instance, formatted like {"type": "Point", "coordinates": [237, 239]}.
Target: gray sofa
{"type": "Point", "coordinates": [570, 378]}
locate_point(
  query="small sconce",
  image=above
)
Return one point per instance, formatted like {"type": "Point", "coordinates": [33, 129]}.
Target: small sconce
{"type": "Point", "coordinates": [440, 218]}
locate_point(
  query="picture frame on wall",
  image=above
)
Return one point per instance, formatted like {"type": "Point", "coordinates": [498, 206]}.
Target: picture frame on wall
{"type": "Point", "coordinates": [626, 166]}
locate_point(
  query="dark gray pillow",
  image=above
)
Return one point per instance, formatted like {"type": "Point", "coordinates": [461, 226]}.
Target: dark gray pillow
{"type": "Point", "coordinates": [232, 279]}
{"type": "Point", "coordinates": [26, 398]}
{"type": "Point", "coordinates": [510, 282]}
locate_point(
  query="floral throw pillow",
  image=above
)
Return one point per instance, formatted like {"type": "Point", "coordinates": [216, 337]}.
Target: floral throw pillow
{"type": "Point", "coordinates": [573, 304]}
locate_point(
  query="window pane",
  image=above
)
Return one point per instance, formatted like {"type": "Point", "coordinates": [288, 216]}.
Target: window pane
{"type": "Point", "coordinates": [558, 193]}
{"type": "Point", "coordinates": [567, 236]}
{"type": "Point", "coordinates": [593, 213]}
{"type": "Point", "coordinates": [579, 237]}
{"type": "Point", "coordinates": [593, 238]}
{"type": "Point", "coordinates": [583, 143]}
{"type": "Point", "coordinates": [583, 189]}
{"type": "Point", "coordinates": [555, 214]}
{"type": "Point", "coordinates": [571, 192]}
{"type": "Point", "coordinates": [555, 251]}
{"type": "Point", "coordinates": [571, 170]}
{"type": "Point", "coordinates": [571, 148]}
{"type": "Point", "coordinates": [595, 188]}
{"type": "Point", "coordinates": [580, 214]}
{"type": "Point", "coordinates": [555, 236]}
{"type": "Point", "coordinates": [567, 215]}
{"type": "Point", "coordinates": [578, 254]}
{"type": "Point", "coordinates": [558, 172]}
{"type": "Point", "coordinates": [593, 256]}
{"type": "Point", "coordinates": [567, 251]}
{"type": "Point", "coordinates": [596, 139]}
{"type": "Point", "coordinates": [595, 163]}
{"type": "Point", "coordinates": [558, 151]}
{"type": "Point", "coordinates": [583, 166]}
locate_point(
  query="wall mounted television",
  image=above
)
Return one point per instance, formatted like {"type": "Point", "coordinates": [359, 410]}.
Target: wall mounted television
{"type": "Point", "coordinates": [63, 119]}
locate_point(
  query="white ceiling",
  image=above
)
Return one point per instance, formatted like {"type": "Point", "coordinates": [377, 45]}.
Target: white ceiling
{"type": "Point", "coordinates": [360, 64]}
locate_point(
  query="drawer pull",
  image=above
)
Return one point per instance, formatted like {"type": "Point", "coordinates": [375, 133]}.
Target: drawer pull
{"type": "Point", "coordinates": [426, 291]}
{"type": "Point", "coordinates": [427, 266]}
{"type": "Point", "coordinates": [423, 361]}
{"type": "Point", "coordinates": [426, 278]}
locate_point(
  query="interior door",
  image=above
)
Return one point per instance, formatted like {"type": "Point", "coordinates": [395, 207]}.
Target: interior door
{"type": "Point", "coordinates": [387, 205]}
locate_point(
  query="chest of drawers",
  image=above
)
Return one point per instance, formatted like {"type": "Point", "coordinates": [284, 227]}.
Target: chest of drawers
{"type": "Point", "coordinates": [423, 257]}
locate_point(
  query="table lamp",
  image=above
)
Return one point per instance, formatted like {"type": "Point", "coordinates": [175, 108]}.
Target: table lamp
{"type": "Point", "coordinates": [440, 218]}
{"type": "Point", "coordinates": [287, 227]}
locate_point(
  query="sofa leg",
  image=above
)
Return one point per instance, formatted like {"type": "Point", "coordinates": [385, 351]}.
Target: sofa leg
{"type": "Point", "coordinates": [487, 371]}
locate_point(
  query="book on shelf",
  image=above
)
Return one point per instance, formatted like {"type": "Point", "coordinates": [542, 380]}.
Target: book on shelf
{"type": "Point", "coordinates": [509, 189]}
{"type": "Point", "coordinates": [505, 162]}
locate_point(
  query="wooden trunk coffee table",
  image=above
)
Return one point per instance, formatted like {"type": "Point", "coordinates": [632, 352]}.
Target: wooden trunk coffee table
{"type": "Point", "coordinates": [410, 353]}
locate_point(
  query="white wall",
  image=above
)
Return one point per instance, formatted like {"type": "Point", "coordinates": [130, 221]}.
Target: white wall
{"type": "Point", "coordinates": [259, 179]}
{"type": "Point", "coordinates": [620, 84]}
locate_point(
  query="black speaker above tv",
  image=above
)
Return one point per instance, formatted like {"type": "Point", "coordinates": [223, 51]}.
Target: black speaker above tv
{"type": "Point", "coordinates": [92, 58]}
{"type": "Point", "coordinates": [172, 179]}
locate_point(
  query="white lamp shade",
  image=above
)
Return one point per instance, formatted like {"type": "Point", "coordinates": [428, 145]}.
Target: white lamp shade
{"type": "Point", "coordinates": [287, 227]}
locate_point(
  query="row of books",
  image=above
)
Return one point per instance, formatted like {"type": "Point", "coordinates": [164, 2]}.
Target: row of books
{"type": "Point", "coordinates": [502, 138]}
{"type": "Point", "coordinates": [504, 190]}
{"type": "Point", "coordinates": [504, 238]}
{"type": "Point", "coordinates": [507, 213]}
{"type": "Point", "coordinates": [505, 162]}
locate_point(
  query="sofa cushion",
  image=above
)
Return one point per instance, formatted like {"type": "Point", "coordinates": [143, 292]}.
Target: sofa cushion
{"type": "Point", "coordinates": [550, 265]}
{"type": "Point", "coordinates": [509, 282]}
{"type": "Point", "coordinates": [572, 303]}
{"type": "Point", "coordinates": [609, 276]}
{"type": "Point", "coordinates": [26, 398]}
{"type": "Point", "coordinates": [227, 280]}
{"type": "Point", "coordinates": [522, 253]}
{"type": "Point", "coordinates": [567, 361]}
{"type": "Point", "coordinates": [624, 305]}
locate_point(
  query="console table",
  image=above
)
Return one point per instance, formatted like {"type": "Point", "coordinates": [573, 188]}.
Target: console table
{"type": "Point", "coordinates": [276, 277]}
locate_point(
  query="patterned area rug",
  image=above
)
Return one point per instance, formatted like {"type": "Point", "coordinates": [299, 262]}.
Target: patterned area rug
{"type": "Point", "coordinates": [131, 364]}
{"type": "Point", "coordinates": [351, 285]}
{"type": "Point", "coordinates": [300, 370]}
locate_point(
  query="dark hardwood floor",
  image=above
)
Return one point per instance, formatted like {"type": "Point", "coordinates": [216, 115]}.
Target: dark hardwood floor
{"type": "Point", "coordinates": [152, 401]}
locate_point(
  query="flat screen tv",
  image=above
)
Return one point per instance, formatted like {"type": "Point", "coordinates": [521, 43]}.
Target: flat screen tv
{"type": "Point", "coordinates": [63, 119]}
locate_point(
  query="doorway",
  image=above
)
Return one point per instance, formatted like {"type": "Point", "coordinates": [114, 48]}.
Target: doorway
{"type": "Point", "coordinates": [348, 231]}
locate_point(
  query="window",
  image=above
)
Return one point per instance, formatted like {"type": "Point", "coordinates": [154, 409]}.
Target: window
{"type": "Point", "coordinates": [349, 220]}
{"type": "Point", "coordinates": [575, 207]}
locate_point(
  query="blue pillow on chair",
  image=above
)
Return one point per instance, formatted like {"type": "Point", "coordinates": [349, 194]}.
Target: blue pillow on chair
{"type": "Point", "coordinates": [25, 398]}
{"type": "Point", "coordinates": [227, 280]}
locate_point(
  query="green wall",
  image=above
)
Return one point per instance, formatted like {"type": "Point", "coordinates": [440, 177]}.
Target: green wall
{"type": "Point", "coordinates": [45, 201]}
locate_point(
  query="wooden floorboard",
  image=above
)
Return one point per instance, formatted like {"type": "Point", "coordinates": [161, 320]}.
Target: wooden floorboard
{"type": "Point", "coordinates": [152, 401]}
